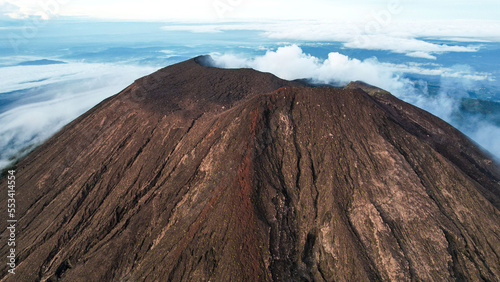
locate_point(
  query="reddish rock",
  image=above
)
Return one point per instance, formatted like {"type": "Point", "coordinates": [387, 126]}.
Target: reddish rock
{"type": "Point", "coordinates": [202, 174]}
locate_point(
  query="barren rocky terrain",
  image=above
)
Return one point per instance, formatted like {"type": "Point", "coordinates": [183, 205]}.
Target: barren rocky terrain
{"type": "Point", "coordinates": [196, 173]}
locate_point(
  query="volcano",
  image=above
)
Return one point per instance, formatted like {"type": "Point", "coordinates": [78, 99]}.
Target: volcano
{"type": "Point", "coordinates": [196, 173]}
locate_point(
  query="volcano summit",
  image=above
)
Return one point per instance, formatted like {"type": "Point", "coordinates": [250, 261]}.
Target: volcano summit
{"type": "Point", "coordinates": [196, 173]}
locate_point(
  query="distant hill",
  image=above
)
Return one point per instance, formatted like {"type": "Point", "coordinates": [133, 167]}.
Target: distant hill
{"type": "Point", "coordinates": [40, 62]}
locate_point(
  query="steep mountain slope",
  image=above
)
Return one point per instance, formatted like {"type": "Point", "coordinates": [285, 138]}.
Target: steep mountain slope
{"type": "Point", "coordinates": [196, 173]}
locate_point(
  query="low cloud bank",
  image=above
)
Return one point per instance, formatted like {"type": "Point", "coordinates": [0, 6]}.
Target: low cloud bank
{"type": "Point", "coordinates": [291, 63]}
{"type": "Point", "coordinates": [404, 37]}
{"type": "Point", "coordinates": [62, 94]}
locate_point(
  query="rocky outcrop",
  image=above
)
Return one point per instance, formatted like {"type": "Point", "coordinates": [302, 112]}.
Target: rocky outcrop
{"type": "Point", "coordinates": [202, 174]}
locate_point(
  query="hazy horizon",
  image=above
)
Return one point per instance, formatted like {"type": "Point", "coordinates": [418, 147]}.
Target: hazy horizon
{"type": "Point", "coordinates": [251, 9]}
{"type": "Point", "coordinates": [60, 58]}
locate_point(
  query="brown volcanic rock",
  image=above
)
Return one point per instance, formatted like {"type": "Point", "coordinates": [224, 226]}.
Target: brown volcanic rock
{"type": "Point", "coordinates": [196, 173]}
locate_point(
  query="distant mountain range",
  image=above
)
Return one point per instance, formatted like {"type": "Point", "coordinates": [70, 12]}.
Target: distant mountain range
{"type": "Point", "coordinates": [196, 173]}
{"type": "Point", "coordinates": [41, 62]}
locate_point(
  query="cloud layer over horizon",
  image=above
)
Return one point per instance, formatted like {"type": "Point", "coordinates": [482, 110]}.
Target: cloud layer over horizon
{"type": "Point", "coordinates": [61, 93]}
{"type": "Point", "coordinates": [255, 9]}
{"type": "Point", "coordinates": [290, 62]}
{"type": "Point", "coordinates": [37, 100]}
{"type": "Point", "coordinates": [401, 37]}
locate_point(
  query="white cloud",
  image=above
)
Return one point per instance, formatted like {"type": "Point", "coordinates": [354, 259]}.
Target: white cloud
{"type": "Point", "coordinates": [291, 62]}
{"type": "Point", "coordinates": [24, 77]}
{"type": "Point", "coordinates": [63, 93]}
{"type": "Point", "coordinates": [347, 31]}
{"type": "Point", "coordinates": [465, 39]}
{"type": "Point", "coordinates": [397, 37]}
{"type": "Point", "coordinates": [219, 27]}
{"type": "Point", "coordinates": [266, 9]}
{"type": "Point", "coordinates": [421, 54]}
{"type": "Point", "coordinates": [206, 28]}
{"type": "Point", "coordinates": [457, 71]}
{"type": "Point", "coordinates": [10, 27]}
{"type": "Point", "coordinates": [112, 9]}
{"type": "Point", "coordinates": [410, 46]}
{"type": "Point", "coordinates": [22, 9]}
{"type": "Point", "coordinates": [487, 135]}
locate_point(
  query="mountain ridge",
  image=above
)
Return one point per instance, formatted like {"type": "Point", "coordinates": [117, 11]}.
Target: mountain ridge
{"type": "Point", "coordinates": [199, 173]}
